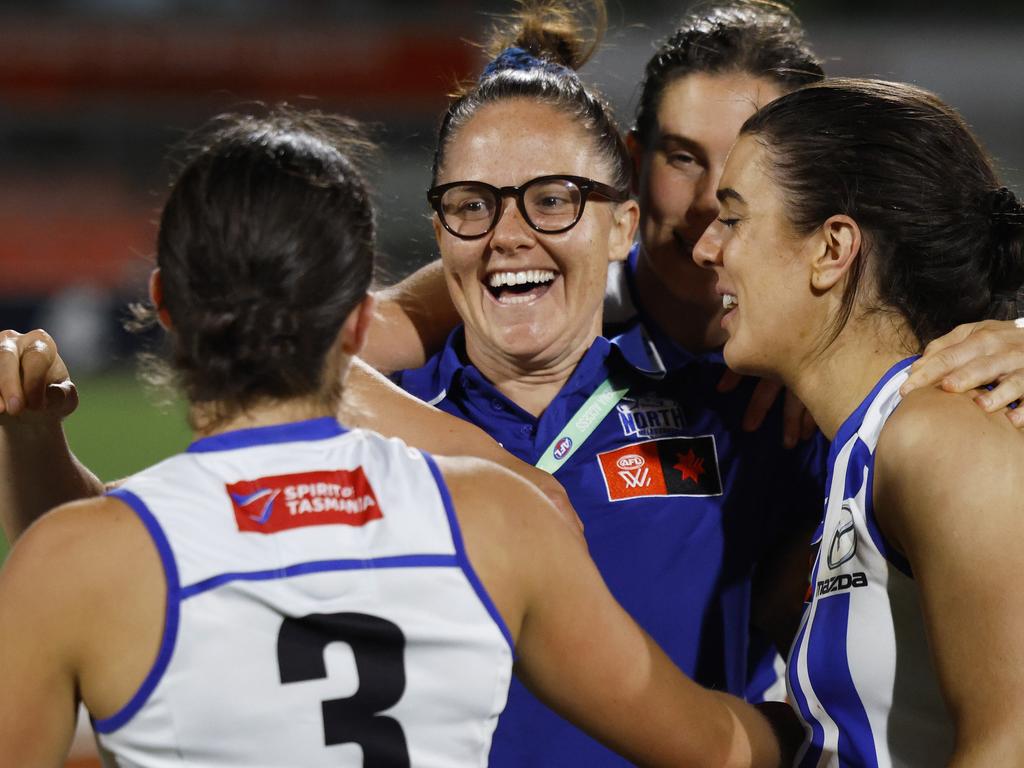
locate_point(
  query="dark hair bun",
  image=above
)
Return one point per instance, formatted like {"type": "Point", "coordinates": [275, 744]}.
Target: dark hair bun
{"type": "Point", "coordinates": [565, 33]}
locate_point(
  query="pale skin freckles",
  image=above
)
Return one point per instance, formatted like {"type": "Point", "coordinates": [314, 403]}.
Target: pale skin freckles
{"type": "Point", "coordinates": [507, 144]}
{"type": "Point", "coordinates": [698, 119]}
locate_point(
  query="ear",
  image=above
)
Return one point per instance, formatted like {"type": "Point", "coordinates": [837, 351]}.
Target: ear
{"type": "Point", "coordinates": [624, 224]}
{"type": "Point", "coordinates": [840, 243]}
{"type": "Point", "coordinates": [156, 296]}
{"type": "Point", "coordinates": [356, 326]}
{"type": "Point", "coordinates": [438, 228]}
{"type": "Point", "coordinates": [636, 154]}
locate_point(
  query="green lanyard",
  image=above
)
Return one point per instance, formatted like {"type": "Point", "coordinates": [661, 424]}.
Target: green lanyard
{"type": "Point", "coordinates": [581, 425]}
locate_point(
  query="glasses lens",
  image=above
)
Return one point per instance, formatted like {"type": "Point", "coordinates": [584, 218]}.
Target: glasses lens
{"type": "Point", "coordinates": [552, 204]}
{"type": "Point", "coordinates": [468, 209]}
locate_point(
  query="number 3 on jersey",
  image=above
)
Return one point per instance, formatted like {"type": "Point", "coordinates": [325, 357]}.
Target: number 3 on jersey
{"type": "Point", "coordinates": [378, 647]}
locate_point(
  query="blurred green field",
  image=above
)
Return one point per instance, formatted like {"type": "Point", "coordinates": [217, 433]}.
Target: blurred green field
{"type": "Point", "coordinates": [119, 428]}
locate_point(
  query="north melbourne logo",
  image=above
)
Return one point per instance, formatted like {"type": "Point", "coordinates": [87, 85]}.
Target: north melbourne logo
{"type": "Point", "coordinates": [649, 417]}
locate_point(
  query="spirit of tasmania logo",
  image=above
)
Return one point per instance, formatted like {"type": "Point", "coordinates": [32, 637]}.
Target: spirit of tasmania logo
{"type": "Point", "coordinates": [673, 466]}
{"type": "Point", "coordinates": [280, 502]}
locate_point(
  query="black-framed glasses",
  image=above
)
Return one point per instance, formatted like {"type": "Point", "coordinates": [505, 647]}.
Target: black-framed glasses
{"type": "Point", "coordinates": [549, 204]}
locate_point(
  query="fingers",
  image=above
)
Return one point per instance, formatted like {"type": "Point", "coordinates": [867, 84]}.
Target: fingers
{"type": "Point", "coordinates": [729, 381]}
{"type": "Point", "coordinates": [969, 356]}
{"type": "Point", "coordinates": [809, 427]}
{"type": "Point", "coordinates": [793, 416]}
{"type": "Point", "coordinates": [765, 393]}
{"type": "Point", "coordinates": [1016, 417]}
{"type": "Point", "coordinates": [28, 365]}
{"type": "Point", "coordinates": [12, 397]}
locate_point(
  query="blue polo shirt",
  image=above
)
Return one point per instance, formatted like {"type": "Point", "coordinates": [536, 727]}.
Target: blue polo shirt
{"type": "Point", "coordinates": [678, 505]}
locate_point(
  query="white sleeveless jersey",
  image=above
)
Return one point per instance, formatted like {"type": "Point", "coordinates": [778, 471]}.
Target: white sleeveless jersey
{"type": "Point", "coordinates": [321, 610]}
{"type": "Point", "coordinates": [860, 671]}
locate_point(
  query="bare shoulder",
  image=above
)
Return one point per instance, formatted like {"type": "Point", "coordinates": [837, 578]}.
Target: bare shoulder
{"type": "Point", "coordinates": [943, 465]}
{"type": "Point", "coordinates": [82, 553]}
{"type": "Point", "coordinates": [512, 531]}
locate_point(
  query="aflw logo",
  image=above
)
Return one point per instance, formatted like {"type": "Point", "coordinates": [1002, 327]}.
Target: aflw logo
{"type": "Point", "coordinates": [670, 466]}
{"type": "Point", "coordinates": [633, 470]}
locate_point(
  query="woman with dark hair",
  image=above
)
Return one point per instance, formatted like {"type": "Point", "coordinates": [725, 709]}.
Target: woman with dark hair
{"type": "Point", "coordinates": [531, 203]}
{"type": "Point", "coordinates": [288, 591]}
{"type": "Point", "coordinates": [861, 220]}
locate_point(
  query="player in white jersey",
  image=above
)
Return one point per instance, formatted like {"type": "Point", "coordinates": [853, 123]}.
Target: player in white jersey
{"type": "Point", "coordinates": [859, 221]}
{"type": "Point", "coordinates": [288, 592]}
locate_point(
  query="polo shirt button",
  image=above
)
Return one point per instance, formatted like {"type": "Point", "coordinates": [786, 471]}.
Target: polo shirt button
{"type": "Point", "coordinates": [497, 405]}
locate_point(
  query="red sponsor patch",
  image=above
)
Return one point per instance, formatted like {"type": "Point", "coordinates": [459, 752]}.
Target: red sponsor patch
{"type": "Point", "coordinates": [632, 471]}
{"type": "Point", "coordinates": [280, 502]}
{"type": "Point", "coordinates": [674, 466]}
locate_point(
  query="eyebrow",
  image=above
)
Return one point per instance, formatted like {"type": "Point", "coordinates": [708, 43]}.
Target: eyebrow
{"type": "Point", "coordinates": [675, 140]}
{"type": "Point", "coordinates": [728, 193]}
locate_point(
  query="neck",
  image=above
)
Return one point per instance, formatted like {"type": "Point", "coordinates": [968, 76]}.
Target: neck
{"type": "Point", "coordinates": [689, 324]}
{"type": "Point", "coordinates": [834, 383]}
{"type": "Point", "coordinates": [529, 383]}
{"type": "Point", "coordinates": [207, 420]}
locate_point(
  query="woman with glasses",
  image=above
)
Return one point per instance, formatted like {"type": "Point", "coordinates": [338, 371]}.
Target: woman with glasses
{"type": "Point", "coordinates": [531, 205]}
{"type": "Point", "coordinates": [288, 591]}
{"type": "Point", "coordinates": [859, 221]}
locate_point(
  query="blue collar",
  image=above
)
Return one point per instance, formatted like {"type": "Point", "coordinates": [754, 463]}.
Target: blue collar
{"type": "Point", "coordinates": [312, 429]}
{"type": "Point", "coordinates": [630, 348]}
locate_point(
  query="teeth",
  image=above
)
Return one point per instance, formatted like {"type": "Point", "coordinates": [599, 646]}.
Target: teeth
{"type": "Point", "coordinates": [729, 301]}
{"type": "Point", "coordinates": [498, 279]}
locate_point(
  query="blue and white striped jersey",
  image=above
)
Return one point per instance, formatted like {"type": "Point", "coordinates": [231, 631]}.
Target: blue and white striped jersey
{"type": "Point", "coordinates": [321, 610]}
{"type": "Point", "coordinates": [860, 671]}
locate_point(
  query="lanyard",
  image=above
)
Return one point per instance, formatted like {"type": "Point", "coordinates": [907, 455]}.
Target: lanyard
{"type": "Point", "coordinates": [581, 425]}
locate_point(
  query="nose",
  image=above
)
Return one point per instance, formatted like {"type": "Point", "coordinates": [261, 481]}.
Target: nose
{"type": "Point", "coordinates": [707, 252]}
{"type": "Point", "coordinates": [511, 231]}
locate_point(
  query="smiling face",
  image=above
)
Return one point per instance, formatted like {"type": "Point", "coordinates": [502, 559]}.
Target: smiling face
{"type": "Point", "coordinates": [530, 298]}
{"type": "Point", "coordinates": [698, 119]}
{"type": "Point", "coordinates": [761, 270]}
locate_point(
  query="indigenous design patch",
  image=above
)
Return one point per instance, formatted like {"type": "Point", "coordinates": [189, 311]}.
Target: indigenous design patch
{"type": "Point", "coordinates": [674, 466]}
{"type": "Point", "coordinates": [650, 416]}
{"type": "Point", "coordinates": [280, 502]}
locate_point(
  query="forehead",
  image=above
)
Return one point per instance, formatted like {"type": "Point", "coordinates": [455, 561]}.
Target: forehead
{"type": "Point", "coordinates": [509, 142]}
{"type": "Point", "coordinates": [711, 108]}
{"type": "Point", "coordinates": [747, 172]}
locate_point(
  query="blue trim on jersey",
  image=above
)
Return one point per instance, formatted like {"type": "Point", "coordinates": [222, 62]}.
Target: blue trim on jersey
{"type": "Point", "coordinates": [841, 701]}
{"type": "Point", "coordinates": [171, 616]}
{"type": "Point", "coordinates": [460, 554]}
{"type": "Point", "coordinates": [810, 757]}
{"type": "Point", "coordinates": [847, 430]}
{"type": "Point", "coordinates": [854, 421]}
{"type": "Point", "coordinates": [311, 429]}
{"type": "Point", "coordinates": [321, 566]}
{"type": "Point", "coordinates": [881, 543]}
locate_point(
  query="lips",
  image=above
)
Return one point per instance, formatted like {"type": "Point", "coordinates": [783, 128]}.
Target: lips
{"type": "Point", "coordinates": [511, 287]}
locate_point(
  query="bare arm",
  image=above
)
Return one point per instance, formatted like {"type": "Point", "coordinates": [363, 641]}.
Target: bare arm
{"type": "Point", "coordinates": [955, 507]}
{"type": "Point", "coordinates": [37, 466]}
{"type": "Point", "coordinates": [975, 355]}
{"type": "Point", "coordinates": [373, 402]}
{"type": "Point", "coordinates": [411, 321]}
{"type": "Point", "coordinates": [577, 648]}
{"type": "Point", "coordinates": [62, 633]}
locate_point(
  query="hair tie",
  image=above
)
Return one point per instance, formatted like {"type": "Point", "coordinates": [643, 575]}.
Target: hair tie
{"type": "Point", "coordinates": [520, 59]}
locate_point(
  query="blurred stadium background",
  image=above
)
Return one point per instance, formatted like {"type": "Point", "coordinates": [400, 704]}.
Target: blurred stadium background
{"type": "Point", "coordinates": [92, 92]}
